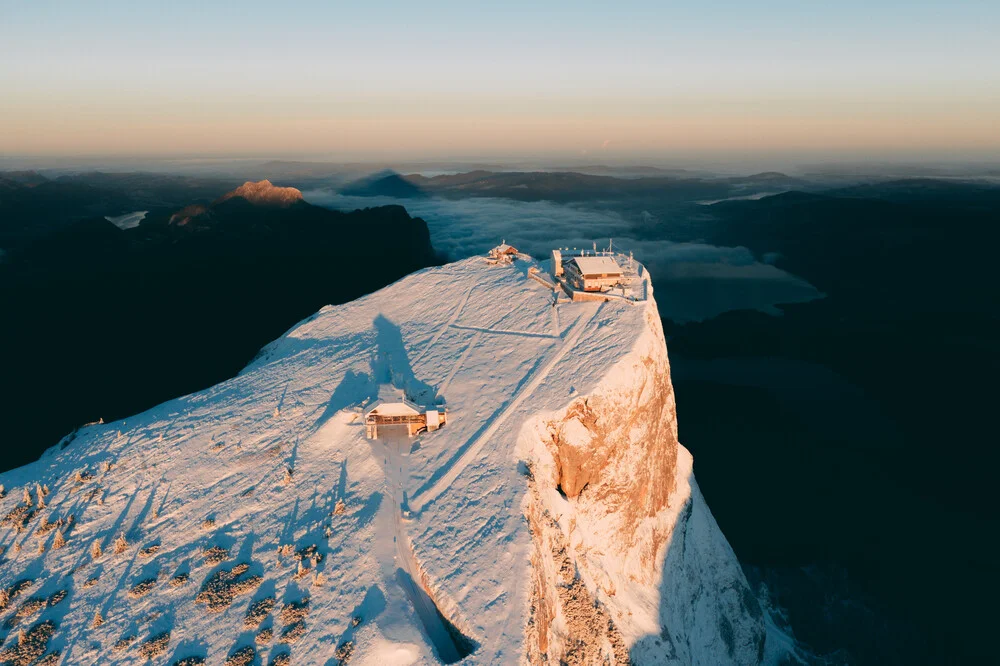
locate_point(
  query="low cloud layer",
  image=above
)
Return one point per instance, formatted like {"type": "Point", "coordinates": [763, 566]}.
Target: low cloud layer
{"type": "Point", "coordinates": [693, 281]}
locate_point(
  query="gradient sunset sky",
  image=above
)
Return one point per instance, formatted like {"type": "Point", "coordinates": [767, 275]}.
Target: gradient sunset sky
{"type": "Point", "coordinates": [395, 80]}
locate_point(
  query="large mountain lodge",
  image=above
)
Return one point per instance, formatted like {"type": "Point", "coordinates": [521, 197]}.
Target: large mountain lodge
{"type": "Point", "coordinates": [593, 273]}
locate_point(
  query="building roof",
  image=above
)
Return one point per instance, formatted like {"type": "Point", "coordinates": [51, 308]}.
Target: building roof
{"type": "Point", "coordinates": [503, 248]}
{"type": "Point", "coordinates": [598, 265]}
{"type": "Point", "coordinates": [393, 409]}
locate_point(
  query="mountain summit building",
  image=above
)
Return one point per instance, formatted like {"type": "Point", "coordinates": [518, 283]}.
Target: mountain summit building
{"type": "Point", "coordinates": [398, 411]}
{"type": "Point", "coordinates": [593, 273]}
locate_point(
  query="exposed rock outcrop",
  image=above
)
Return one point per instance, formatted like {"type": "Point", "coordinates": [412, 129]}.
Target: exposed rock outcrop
{"type": "Point", "coordinates": [626, 553]}
{"type": "Point", "coordinates": [264, 193]}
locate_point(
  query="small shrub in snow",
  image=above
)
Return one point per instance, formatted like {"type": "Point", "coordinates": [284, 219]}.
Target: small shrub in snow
{"type": "Point", "coordinates": [293, 632]}
{"type": "Point", "coordinates": [34, 605]}
{"type": "Point", "coordinates": [215, 554]}
{"type": "Point", "coordinates": [281, 659]}
{"type": "Point", "coordinates": [95, 550]}
{"type": "Point", "coordinates": [289, 472]}
{"type": "Point", "coordinates": [310, 553]}
{"type": "Point", "coordinates": [319, 580]}
{"type": "Point", "coordinates": [242, 657]}
{"type": "Point", "coordinates": [29, 607]}
{"type": "Point", "coordinates": [264, 636]}
{"type": "Point", "coordinates": [59, 541]}
{"type": "Point", "coordinates": [301, 572]}
{"type": "Point", "coordinates": [142, 588]}
{"type": "Point", "coordinates": [294, 611]}
{"type": "Point", "coordinates": [18, 517]}
{"type": "Point", "coordinates": [91, 582]}
{"type": "Point", "coordinates": [3, 491]}
{"type": "Point", "coordinates": [123, 643]}
{"type": "Point", "coordinates": [208, 523]}
{"type": "Point", "coordinates": [51, 659]}
{"type": "Point", "coordinates": [339, 508]}
{"type": "Point", "coordinates": [344, 652]}
{"type": "Point", "coordinates": [225, 585]}
{"type": "Point", "coordinates": [179, 580]}
{"type": "Point", "coordinates": [26, 498]}
{"type": "Point", "coordinates": [121, 544]}
{"type": "Point", "coordinates": [149, 551]}
{"type": "Point", "coordinates": [155, 646]}
{"type": "Point", "coordinates": [44, 526]}
{"type": "Point", "coordinates": [13, 592]}
{"type": "Point", "coordinates": [98, 620]}
{"type": "Point", "coordinates": [257, 612]}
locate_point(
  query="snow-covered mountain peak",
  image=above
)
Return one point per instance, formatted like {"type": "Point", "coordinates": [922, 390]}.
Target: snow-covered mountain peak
{"type": "Point", "coordinates": [552, 518]}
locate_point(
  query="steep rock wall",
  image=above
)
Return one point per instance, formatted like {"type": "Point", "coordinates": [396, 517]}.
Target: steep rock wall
{"type": "Point", "coordinates": [628, 564]}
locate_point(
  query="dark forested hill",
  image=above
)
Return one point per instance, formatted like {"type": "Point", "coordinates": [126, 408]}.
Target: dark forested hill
{"type": "Point", "coordinates": [101, 322]}
{"type": "Point", "coordinates": [853, 470]}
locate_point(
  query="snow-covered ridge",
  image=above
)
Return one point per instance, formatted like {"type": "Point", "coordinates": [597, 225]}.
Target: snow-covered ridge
{"type": "Point", "coordinates": [554, 517]}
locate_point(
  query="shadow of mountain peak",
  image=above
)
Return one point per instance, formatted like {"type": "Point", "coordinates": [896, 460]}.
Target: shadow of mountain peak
{"type": "Point", "coordinates": [386, 183]}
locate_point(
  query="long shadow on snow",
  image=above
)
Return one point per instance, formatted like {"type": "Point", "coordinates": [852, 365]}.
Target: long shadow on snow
{"type": "Point", "coordinates": [352, 389]}
{"type": "Point", "coordinates": [450, 645]}
{"type": "Point", "coordinates": [370, 607]}
{"type": "Point", "coordinates": [392, 364]}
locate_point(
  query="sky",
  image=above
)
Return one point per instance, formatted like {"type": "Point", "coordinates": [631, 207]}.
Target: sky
{"type": "Point", "coordinates": [611, 81]}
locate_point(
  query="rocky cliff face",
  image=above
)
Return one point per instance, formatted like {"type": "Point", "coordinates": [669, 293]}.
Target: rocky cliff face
{"type": "Point", "coordinates": [626, 553]}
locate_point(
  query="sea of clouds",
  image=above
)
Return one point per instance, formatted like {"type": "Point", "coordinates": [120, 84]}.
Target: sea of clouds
{"type": "Point", "coordinates": [693, 281]}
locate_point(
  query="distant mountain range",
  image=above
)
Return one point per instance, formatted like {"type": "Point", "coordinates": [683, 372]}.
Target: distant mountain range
{"type": "Point", "coordinates": [568, 186]}
{"type": "Point", "coordinates": [32, 206]}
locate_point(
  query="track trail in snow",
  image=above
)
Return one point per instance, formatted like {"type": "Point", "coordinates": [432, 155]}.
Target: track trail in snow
{"type": "Point", "coordinates": [433, 489]}
{"type": "Point", "coordinates": [444, 328]}
{"type": "Point", "coordinates": [443, 390]}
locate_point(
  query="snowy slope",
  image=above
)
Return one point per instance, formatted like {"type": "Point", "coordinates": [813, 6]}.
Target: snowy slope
{"type": "Point", "coordinates": [555, 517]}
